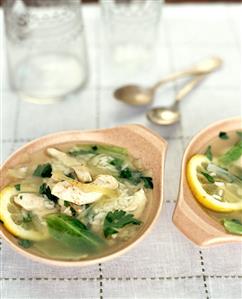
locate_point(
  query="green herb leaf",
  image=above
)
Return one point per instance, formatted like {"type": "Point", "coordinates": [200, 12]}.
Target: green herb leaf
{"type": "Point", "coordinates": [208, 153]}
{"type": "Point", "coordinates": [117, 162]}
{"type": "Point", "coordinates": [44, 189]}
{"type": "Point", "coordinates": [135, 177]}
{"type": "Point", "coordinates": [112, 150]}
{"type": "Point", "coordinates": [126, 173]}
{"type": "Point", "coordinates": [233, 154]}
{"type": "Point", "coordinates": [43, 170]}
{"type": "Point", "coordinates": [18, 187]}
{"type": "Point", "coordinates": [94, 149]}
{"type": "Point", "coordinates": [223, 135]}
{"type": "Point", "coordinates": [73, 233]}
{"type": "Point", "coordinates": [25, 243]}
{"type": "Point", "coordinates": [66, 203]}
{"type": "Point", "coordinates": [208, 177]}
{"type": "Point", "coordinates": [27, 218]}
{"type": "Point", "coordinates": [148, 182]}
{"type": "Point", "coordinates": [73, 211]}
{"type": "Point", "coordinates": [117, 220]}
{"type": "Point", "coordinates": [71, 175]}
{"type": "Point", "coordinates": [239, 133]}
{"type": "Point", "coordinates": [79, 152]}
{"type": "Point", "coordinates": [233, 226]}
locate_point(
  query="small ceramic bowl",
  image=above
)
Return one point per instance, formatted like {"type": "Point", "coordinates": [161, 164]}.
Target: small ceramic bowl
{"type": "Point", "coordinates": [141, 144]}
{"type": "Point", "coordinates": [189, 216]}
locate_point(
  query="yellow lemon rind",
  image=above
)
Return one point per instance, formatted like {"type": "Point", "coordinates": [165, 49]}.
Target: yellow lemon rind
{"type": "Point", "coordinates": [13, 228]}
{"type": "Point", "coordinates": [200, 194]}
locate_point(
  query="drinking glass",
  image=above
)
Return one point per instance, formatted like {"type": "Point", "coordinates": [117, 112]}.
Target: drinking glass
{"type": "Point", "coordinates": [45, 48]}
{"type": "Point", "coordinates": [131, 30]}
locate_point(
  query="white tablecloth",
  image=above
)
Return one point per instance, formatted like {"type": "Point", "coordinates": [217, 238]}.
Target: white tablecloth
{"type": "Point", "coordinates": [165, 264]}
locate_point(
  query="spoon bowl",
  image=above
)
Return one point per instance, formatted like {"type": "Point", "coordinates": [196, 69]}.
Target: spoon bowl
{"type": "Point", "coordinates": [134, 95]}
{"type": "Point", "coordinates": [163, 116]}
{"type": "Point", "coordinates": [170, 115]}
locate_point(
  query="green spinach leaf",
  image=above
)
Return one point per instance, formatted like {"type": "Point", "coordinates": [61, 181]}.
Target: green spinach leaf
{"type": "Point", "coordinates": [43, 170]}
{"type": "Point", "coordinates": [233, 226]}
{"type": "Point", "coordinates": [223, 135]}
{"type": "Point", "coordinates": [208, 177]}
{"type": "Point", "coordinates": [135, 177]}
{"type": "Point", "coordinates": [18, 187]}
{"type": "Point", "coordinates": [72, 232]}
{"type": "Point", "coordinates": [97, 149]}
{"type": "Point", "coordinates": [148, 182]}
{"type": "Point", "coordinates": [66, 203]}
{"type": "Point", "coordinates": [25, 243]}
{"type": "Point", "coordinates": [73, 211]}
{"type": "Point", "coordinates": [117, 162]}
{"type": "Point", "coordinates": [78, 152]}
{"type": "Point", "coordinates": [117, 220]}
{"type": "Point", "coordinates": [233, 154]}
{"type": "Point", "coordinates": [208, 153]}
{"type": "Point", "coordinates": [44, 189]}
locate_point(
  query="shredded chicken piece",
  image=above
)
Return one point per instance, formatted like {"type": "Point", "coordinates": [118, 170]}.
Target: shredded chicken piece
{"type": "Point", "coordinates": [63, 157]}
{"type": "Point", "coordinates": [82, 173]}
{"type": "Point", "coordinates": [35, 203]}
{"type": "Point", "coordinates": [137, 203]}
{"type": "Point", "coordinates": [107, 181]}
{"type": "Point", "coordinates": [78, 166]}
{"type": "Point", "coordinates": [68, 192]}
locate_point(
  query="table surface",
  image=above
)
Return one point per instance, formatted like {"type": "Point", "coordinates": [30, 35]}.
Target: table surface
{"type": "Point", "coordinates": [165, 264]}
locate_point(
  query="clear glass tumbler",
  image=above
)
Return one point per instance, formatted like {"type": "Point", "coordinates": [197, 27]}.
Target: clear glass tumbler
{"type": "Point", "coordinates": [45, 48]}
{"type": "Point", "coordinates": [131, 29]}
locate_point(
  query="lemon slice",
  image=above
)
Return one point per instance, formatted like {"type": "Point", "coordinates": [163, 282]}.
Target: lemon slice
{"type": "Point", "coordinates": [215, 195]}
{"type": "Point", "coordinates": [12, 216]}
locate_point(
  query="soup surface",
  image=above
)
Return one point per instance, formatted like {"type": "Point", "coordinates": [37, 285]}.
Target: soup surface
{"type": "Point", "coordinates": [76, 201]}
{"type": "Point", "coordinates": [215, 178]}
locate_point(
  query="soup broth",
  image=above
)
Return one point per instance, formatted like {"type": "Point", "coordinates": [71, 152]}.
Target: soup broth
{"type": "Point", "coordinates": [76, 201]}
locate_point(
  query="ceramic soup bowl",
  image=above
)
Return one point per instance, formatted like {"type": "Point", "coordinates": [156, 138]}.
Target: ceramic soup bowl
{"type": "Point", "coordinates": [189, 215]}
{"type": "Point", "coordinates": [140, 142]}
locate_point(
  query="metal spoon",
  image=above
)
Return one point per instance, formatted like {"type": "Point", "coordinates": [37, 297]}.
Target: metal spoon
{"type": "Point", "coordinates": [139, 96]}
{"type": "Point", "coordinates": [170, 115]}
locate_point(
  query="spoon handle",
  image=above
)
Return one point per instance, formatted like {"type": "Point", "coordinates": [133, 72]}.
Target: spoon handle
{"type": "Point", "coordinates": [201, 68]}
{"type": "Point", "coordinates": [187, 88]}
{"type": "Point", "coordinates": [174, 76]}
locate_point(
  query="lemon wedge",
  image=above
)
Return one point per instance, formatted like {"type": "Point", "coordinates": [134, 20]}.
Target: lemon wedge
{"type": "Point", "coordinates": [12, 217]}
{"type": "Point", "coordinates": [212, 192]}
